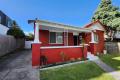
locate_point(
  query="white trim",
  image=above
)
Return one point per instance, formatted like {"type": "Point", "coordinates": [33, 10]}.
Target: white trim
{"type": "Point", "coordinates": [62, 26]}
{"type": "Point", "coordinates": [84, 44]}
{"type": "Point", "coordinates": [93, 42]}
{"type": "Point", "coordinates": [92, 37]}
{"type": "Point", "coordinates": [52, 47]}
{"type": "Point", "coordinates": [97, 26]}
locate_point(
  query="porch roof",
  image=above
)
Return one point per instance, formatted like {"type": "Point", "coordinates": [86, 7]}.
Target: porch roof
{"type": "Point", "coordinates": [53, 26]}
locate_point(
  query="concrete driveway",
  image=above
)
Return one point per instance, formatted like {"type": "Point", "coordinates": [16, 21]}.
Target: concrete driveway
{"type": "Point", "coordinates": [17, 66]}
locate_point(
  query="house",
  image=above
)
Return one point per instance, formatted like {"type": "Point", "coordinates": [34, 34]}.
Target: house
{"type": "Point", "coordinates": [5, 23]}
{"type": "Point", "coordinates": [53, 39]}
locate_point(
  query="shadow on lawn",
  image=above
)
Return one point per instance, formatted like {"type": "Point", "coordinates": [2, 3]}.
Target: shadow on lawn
{"type": "Point", "coordinates": [83, 71]}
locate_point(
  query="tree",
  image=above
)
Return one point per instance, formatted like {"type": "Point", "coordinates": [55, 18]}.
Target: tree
{"type": "Point", "coordinates": [109, 16]}
{"type": "Point", "coordinates": [30, 37]}
{"type": "Point", "coordinates": [16, 31]}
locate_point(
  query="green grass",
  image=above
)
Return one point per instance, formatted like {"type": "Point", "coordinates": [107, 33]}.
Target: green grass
{"type": "Point", "coordinates": [83, 71]}
{"type": "Point", "coordinates": [112, 60]}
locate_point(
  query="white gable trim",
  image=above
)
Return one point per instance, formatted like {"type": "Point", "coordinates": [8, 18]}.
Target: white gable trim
{"type": "Point", "coordinates": [97, 26]}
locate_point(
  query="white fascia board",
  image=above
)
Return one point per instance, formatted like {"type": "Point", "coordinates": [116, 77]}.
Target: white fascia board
{"type": "Point", "coordinates": [62, 26]}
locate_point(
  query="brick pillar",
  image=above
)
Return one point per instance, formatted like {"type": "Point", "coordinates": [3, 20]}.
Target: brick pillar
{"type": "Point", "coordinates": [93, 48]}
{"type": "Point", "coordinates": [36, 54]}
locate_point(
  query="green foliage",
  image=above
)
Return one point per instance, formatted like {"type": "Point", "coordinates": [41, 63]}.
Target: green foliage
{"type": "Point", "coordinates": [16, 31]}
{"type": "Point", "coordinates": [108, 14]}
{"type": "Point", "coordinates": [31, 36]}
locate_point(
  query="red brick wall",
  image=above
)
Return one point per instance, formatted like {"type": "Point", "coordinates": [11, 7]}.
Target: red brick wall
{"type": "Point", "coordinates": [100, 44]}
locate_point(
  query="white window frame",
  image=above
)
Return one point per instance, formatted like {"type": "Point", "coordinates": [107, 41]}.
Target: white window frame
{"type": "Point", "coordinates": [96, 38]}
{"type": "Point", "coordinates": [56, 42]}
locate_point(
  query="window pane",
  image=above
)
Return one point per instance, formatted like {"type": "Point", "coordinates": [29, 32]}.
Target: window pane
{"type": "Point", "coordinates": [9, 23]}
{"type": "Point", "coordinates": [96, 37]}
{"type": "Point", "coordinates": [52, 37]}
{"type": "Point", "coordinates": [59, 37]}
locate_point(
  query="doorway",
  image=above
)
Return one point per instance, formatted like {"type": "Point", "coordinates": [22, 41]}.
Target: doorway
{"type": "Point", "coordinates": [75, 40]}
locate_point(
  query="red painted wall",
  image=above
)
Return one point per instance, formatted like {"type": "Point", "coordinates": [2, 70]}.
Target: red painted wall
{"type": "Point", "coordinates": [54, 55]}
{"type": "Point", "coordinates": [44, 38]}
{"type": "Point", "coordinates": [36, 54]}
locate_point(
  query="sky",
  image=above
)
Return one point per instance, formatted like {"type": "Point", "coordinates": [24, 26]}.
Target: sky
{"type": "Point", "coordinates": [72, 12]}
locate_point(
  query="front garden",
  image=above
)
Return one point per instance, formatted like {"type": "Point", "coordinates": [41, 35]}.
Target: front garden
{"type": "Point", "coordinates": [112, 60]}
{"type": "Point", "coordinates": [83, 71]}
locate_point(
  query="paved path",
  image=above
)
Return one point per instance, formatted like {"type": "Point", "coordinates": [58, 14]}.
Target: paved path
{"type": "Point", "coordinates": [108, 69]}
{"type": "Point", "coordinates": [17, 66]}
{"type": "Point", "coordinates": [105, 67]}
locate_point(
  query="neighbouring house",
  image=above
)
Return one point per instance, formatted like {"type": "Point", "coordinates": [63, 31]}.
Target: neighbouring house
{"type": "Point", "coordinates": [7, 42]}
{"type": "Point", "coordinates": [53, 40]}
{"type": "Point", "coordinates": [5, 23]}
{"type": "Point", "coordinates": [117, 35]}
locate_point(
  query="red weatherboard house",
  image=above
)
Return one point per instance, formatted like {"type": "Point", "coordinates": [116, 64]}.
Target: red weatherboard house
{"type": "Point", "coordinates": [53, 40]}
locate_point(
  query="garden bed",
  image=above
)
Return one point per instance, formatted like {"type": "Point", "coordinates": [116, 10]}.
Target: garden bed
{"type": "Point", "coordinates": [61, 63]}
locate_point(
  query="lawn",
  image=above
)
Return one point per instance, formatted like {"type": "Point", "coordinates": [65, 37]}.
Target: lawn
{"type": "Point", "coordinates": [83, 71]}
{"type": "Point", "coordinates": [112, 60]}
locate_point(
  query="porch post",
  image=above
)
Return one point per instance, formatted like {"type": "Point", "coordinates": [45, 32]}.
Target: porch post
{"type": "Point", "coordinates": [65, 37]}
{"type": "Point", "coordinates": [36, 39]}
{"type": "Point", "coordinates": [92, 37]}
{"type": "Point", "coordinates": [93, 44]}
{"type": "Point", "coordinates": [36, 47]}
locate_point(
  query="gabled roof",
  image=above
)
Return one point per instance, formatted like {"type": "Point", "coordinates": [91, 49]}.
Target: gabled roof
{"type": "Point", "coordinates": [93, 23]}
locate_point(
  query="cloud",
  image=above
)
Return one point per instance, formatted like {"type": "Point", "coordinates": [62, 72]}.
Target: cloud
{"type": "Point", "coordinates": [27, 32]}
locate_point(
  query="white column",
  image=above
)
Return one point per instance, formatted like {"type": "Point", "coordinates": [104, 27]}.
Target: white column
{"type": "Point", "coordinates": [67, 37]}
{"type": "Point", "coordinates": [92, 37]}
{"type": "Point", "coordinates": [36, 39]}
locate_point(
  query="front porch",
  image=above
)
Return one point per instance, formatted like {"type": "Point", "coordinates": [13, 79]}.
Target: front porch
{"type": "Point", "coordinates": [54, 34]}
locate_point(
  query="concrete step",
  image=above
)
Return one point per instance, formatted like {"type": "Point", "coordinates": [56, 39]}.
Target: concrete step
{"type": "Point", "coordinates": [91, 56]}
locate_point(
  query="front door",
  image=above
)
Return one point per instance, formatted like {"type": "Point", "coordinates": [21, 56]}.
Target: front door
{"type": "Point", "coordinates": [75, 40]}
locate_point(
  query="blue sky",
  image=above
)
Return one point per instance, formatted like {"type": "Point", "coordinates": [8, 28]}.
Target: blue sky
{"type": "Point", "coordinates": [73, 12]}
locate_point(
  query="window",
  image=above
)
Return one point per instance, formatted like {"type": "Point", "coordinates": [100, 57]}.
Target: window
{"type": "Point", "coordinates": [0, 19]}
{"type": "Point", "coordinates": [9, 23]}
{"type": "Point", "coordinates": [52, 37]}
{"type": "Point", "coordinates": [59, 38]}
{"type": "Point", "coordinates": [96, 38]}
{"type": "Point", "coordinates": [56, 37]}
